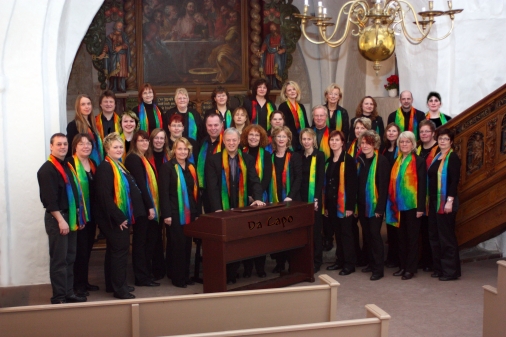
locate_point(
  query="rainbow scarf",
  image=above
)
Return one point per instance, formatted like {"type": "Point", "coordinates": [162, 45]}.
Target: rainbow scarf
{"type": "Point", "coordinates": [201, 164]}
{"type": "Point", "coordinates": [98, 149]}
{"type": "Point", "coordinates": [82, 180]}
{"type": "Point", "coordinates": [324, 143]}
{"type": "Point", "coordinates": [227, 118]}
{"type": "Point", "coordinates": [442, 175]}
{"type": "Point", "coordinates": [255, 112]}
{"type": "Point", "coordinates": [152, 185]}
{"type": "Point", "coordinates": [402, 190]}
{"type": "Point", "coordinates": [100, 126]}
{"type": "Point", "coordinates": [396, 152]}
{"type": "Point", "coordinates": [341, 192]}
{"type": "Point", "coordinates": [338, 116]}
{"type": "Point", "coordinates": [371, 191]}
{"type": "Point", "coordinates": [183, 199]}
{"type": "Point", "coordinates": [226, 181]}
{"type": "Point", "coordinates": [298, 115]}
{"type": "Point", "coordinates": [430, 156]}
{"type": "Point", "coordinates": [312, 180]}
{"type": "Point", "coordinates": [122, 197]}
{"type": "Point", "coordinates": [192, 126]}
{"type": "Point", "coordinates": [273, 197]}
{"type": "Point", "coordinates": [413, 123]}
{"type": "Point", "coordinates": [442, 118]}
{"type": "Point", "coordinates": [259, 166]}
{"type": "Point", "coordinates": [70, 194]}
{"type": "Point", "coordinates": [269, 146]}
{"type": "Point", "coordinates": [143, 118]}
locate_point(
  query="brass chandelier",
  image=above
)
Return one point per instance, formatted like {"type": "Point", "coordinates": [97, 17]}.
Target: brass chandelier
{"type": "Point", "coordinates": [376, 25]}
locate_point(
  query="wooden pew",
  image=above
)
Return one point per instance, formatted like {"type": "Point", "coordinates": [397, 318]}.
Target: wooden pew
{"type": "Point", "coordinates": [375, 325]}
{"type": "Point", "coordinates": [494, 305]}
{"type": "Point", "coordinates": [176, 315]}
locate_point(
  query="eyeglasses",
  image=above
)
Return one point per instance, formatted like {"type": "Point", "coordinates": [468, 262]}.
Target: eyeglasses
{"type": "Point", "coordinates": [445, 139]}
{"type": "Point", "coordinates": [405, 142]}
{"type": "Point", "coordinates": [281, 137]}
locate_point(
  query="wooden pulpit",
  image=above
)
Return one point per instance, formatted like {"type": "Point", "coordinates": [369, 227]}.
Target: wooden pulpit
{"type": "Point", "coordinates": [248, 232]}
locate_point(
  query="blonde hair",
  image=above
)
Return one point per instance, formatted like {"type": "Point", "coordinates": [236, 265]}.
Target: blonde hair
{"type": "Point", "coordinates": [276, 131]}
{"type": "Point", "coordinates": [409, 136]}
{"type": "Point", "coordinates": [181, 91]}
{"type": "Point", "coordinates": [186, 142]}
{"type": "Point", "coordinates": [132, 115]}
{"type": "Point", "coordinates": [283, 90]}
{"type": "Point", "coordinates": [110, 138]}
{"type": "Point", "coordinates": [331, 87]}
{"type": "Point", "coordinates": [311, 133]}
{"type": "Point", "coordinates": [366, 122]}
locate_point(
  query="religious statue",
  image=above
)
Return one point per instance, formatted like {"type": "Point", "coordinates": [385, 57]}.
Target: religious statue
{"type": "Point", "coordinates": [273, 57]}
{"type": "Point", "coordinates": [116, 56]}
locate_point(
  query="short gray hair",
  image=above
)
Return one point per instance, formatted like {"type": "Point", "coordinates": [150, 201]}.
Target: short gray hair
{"type": "Point", "coordinates": [409, 136]}
{"type": "Point", "coordinates": [232, 130]}
{"type": "Point", "coordinates": [366, 122]}
{"type": "Point", "coordinates": [319, 106]}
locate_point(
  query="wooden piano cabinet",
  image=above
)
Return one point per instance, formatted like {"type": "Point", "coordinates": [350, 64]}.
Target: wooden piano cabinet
{"type": "Point", "coordinates": [248, 232]}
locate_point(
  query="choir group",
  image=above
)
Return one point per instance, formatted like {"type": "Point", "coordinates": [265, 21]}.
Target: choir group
{"type": "Point", "coordinates": [149, 170]}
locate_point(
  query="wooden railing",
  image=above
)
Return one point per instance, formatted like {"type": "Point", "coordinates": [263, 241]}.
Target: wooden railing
{"type": "Point", "coordinates": [480, 142]}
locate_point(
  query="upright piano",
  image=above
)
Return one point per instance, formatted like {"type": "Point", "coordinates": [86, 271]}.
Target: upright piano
{"type": "Point", "coordinates": [253, 231]}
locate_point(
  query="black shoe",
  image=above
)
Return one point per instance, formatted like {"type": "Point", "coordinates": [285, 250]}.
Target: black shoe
{"type": "Point", "coordinates": [231, 281]}
{"type": "Point", "coordinates": [261, 274]}
{"type": "Point", "coordinates": [179, 285]}
{"type": "Point", "coordinates": [361, 263]}
{"type": "Point", "coordinates": [346, 271]}
{"type": "Point", "coordinates": [278, 269]}
{"type": "Point", "coordinates": [126, 296]}
{"type": "Point", "coordinates": [92, 287]}
{"type": "Point", "coordinates": [147, 284]}
{"type": "Point", "coordinates": [400, 272]}
{"type": "Point", "coordinates": [427, 269]}
{"type": "Point", "coordinates": [158, 278]}
{"type": "Point", "coordinates": [448, 278]}
{"type": "Point", "coordinates": [389, 264]}
{"type": "Point", "coordinates": [75, 299]}
{"type": "Point", "coordinates": [376, 277]}
{"type": "Point", "coordinates": [58, 301]}
{"type": "Point", "coordinates": [246, 274]}
{"type": "Point", "coordinates": [436, 274]}
{"type": "Point", "coordinates": [407, 276]}
{"type": "Point", "coordinates": [366, 269]}
{"type": "Point", "coordinates": [130, 289]}
{"type": "Point", "coordinates": [335, 266]}
{"type": "Point", "coordinates": [81, 293]}
{"type": "Point", "coordinates": [189, 281]}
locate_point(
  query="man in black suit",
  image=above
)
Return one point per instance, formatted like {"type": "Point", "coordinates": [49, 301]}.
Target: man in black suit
{"type": "Point", "coordinates": [407, 111]}
{"type": "Point", "coordinates": [214, 175]}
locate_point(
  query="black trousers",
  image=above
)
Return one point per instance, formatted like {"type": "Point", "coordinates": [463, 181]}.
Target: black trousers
{"type": "Point", "coordinates": [85, 240]}
{"type": "Point", "coordinates": [408, 231]}
{"type": "Point", "coordinates": [62, 254]}
{"type": "Point", "coordinates": [426, 254]}
{"type": "Point", "coordinates": [443, 241]}
{"type": "Point", "coordinates": [328, 230]}
{"type": "Point", "coordinates": [143, 245]}
{"type": "Point", "coordinates": [371, 228]}
{"type": "Point", "coordinates": [116, 258]}
{"type": "Point", "coordinates": [345, 243]}
{"type": "Point", "coordinates": [158, 262]}
{"type": "Point", "coordinates": [362, 255]}
{"type": "Point", "coordinates": [179, 251]}
{"type": "Point", "coordinates": [393, 244]}
{"type": "Point", "coordinates": [258, 262]}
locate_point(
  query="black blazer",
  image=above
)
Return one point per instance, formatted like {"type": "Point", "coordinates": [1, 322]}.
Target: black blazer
{"type": "Point", "coordinates": [290, 123]}
{"type": "Point", "coordinates": [376, 125]}
{"type": "Point", "coordinates": [167, 188]}
{"type": "Point", "coordinates": [196, 117]}
{"type": "Point", "coordinates": [382, 181]}
{"type": "Point", "coordinates": [346, 120]}
{"type": "Point", "coordinates": [267, 165]}
{"type": "Point", "coordinates": [295, 176]}
{"type": "Point", "coordinates": [419, 116]}
{"type": "Point", "coordinates": [133, 163]}
{"type": "Point", "coordinates": [72, 132]}
{"type": "Point", "coordinates": [332, 176]}
{"type": "Point", "coordinates": [320, 174]}
{"type": "Point", "coordinates": [214, 176]}
{"type": "Point", "coordinates": [452, 177]}
{"type": "Point", "coordinates": [262, 116]}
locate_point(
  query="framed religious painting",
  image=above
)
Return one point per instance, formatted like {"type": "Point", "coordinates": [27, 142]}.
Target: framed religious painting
{"type": "Point", "coordinates": [196, 44]}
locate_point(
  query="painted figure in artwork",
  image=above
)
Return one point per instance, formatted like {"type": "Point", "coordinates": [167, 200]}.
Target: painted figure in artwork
{"type": "Point", "coordinates": [273, 57]}
{"type": "Point", "coordinates": [116, 56]}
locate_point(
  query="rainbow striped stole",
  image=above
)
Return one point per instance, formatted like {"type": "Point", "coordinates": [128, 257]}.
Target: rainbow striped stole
{"type": "Point", "coordinates": [371, 191]}
{"type": "Point", "coordinates": [298, 115]}
{"type": "Point", "coordinates": [192, 126]}
{"type": "Point", "coordinates": [100, 125]}
{"type": "Point", "coordinates": [324, 143]}
{"type": "Point", "coordinates": [413, 123]}
{"type": "Point", "coordinates": [430, 156]}
{"type": "Point", "coordinates": [70, 193]}
{"type": "Point", "coordinates": [341, 192]}
{"type": "Point", "coordinates": [225, 180]}
{"type": "Point", "coordinates": [259, 166]}
{"type": "Point", "coordinates": [227, 118]}
{"type": "Point", "coordinates": [338, 116]}
{"type": "Point", "coordinates": [182, 193]}
{"type": "Point", "coordinates": [442, 175]}
{"type": "Point", "coordinates": [152, 185]}
{"type": "Point", "coordinates": [122, 197]}
{"type": "Point", "coordinates": [255, 113]}
{"type": "Point", "coordinates": [143, 118]}
{"type": "Point", "coordinates": [98, 148]}
{"type": "Point", "coordinates": [83, 182]}
{"type": "Point", "coordinates": [273, 197]}
{"type": "Point", "coordinates": [402, 190]}
{"type": "Point", "coordinates": [312, 179]}
{"type": "Point", "coordinates": [201, 164]}
{"type": "Point", "coordinates": [442, 118]}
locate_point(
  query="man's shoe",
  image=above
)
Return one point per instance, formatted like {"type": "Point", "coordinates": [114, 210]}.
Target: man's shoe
{"type": "Point", "coordinates": [389, 264]}
{"type": "Point", "coordinates": [366, 269]}
{"type": "Point", "coordinates": [436, 274]}
{"type": "Point", "coordinates": [92, 287]}
{"type": "Point", "coordinates": [75, 299]}
{"type": "Point", "coordinates": [400, 272]}
{"type": "Point", "coordinates": [81, 293]}
{"type": "Point", "coordinates": [148, 284]}
{"type": "Point", "coordinates": [261, 274]}
{"type": "Point", "coordinates": [126, 296]}
{"type": "Point", "coordinates": [58, 302]}
{"type": "Point", "coordinates": [335, 266]}
{"type": "Point", "coordinates": [427, 269]}
{"type": "Point", "coordinates": [407, 276]}
{"type": "Point", "coordinates": [376, 277]}
{"type": "Point", "coordinates": [448, 278]}
{"type": "Point", "coordinates": [346, 271]}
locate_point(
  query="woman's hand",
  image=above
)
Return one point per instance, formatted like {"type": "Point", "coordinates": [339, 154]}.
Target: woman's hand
{"type": "Point", "coordinates": [168, 221]}
{"type": "Point", "coordinates": [326, 213]}
{"type": "Point", "coordinates": [258, 203]}
{"type": "Point", "coordinates": [151, 215]}
{"type": "Point", "coordinates": [349, 213]}
{"type": "Point", "coordinates": [123, 225]}
{"type": "Point", "coordinates": [419, 214]}
{"type": "Point", "coordinates": [64, 227]}
{"type": "Point", "coordinates": [288, 199]}
{"type": "Point", "coordinates": [378, 215]}
{"type": "Point", "coordinates": [448, 206]}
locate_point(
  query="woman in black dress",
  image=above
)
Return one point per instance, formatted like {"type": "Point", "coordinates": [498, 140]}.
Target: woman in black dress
{"type": "Point", "coordinates": [295, 113]}
{"type": "Point", "coordinates": [129, 124]}
{"type": "Point", "coordinates": [84, 169]}
{"type": "Point", "coordinates": [444, 176]}
{"type": "Point", "coordinates": [119, 206]}
{"type": "Point", "coordinates": [338, 116]}
{"type": "Point", "coordinates": [340, 201]}
{"type": "Point", "coordinates": [190, 117]}
{"type": "Point", "coordinates": [367, 108]}
{"type": "Point", "coordinates": [434, 114]}
{"type": "Point", "coordinates": [145, 228]}
{"type": "Point", "coordinates": [149, 114]}
{"type": "Point", "coordinates": [220, 97]}
{"type": "Point", "coordinates": [180, 206]}
{"type": "Point", "coordinates": [284, 163]}
{"type": "Point", "coordinates": [258, 105]}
